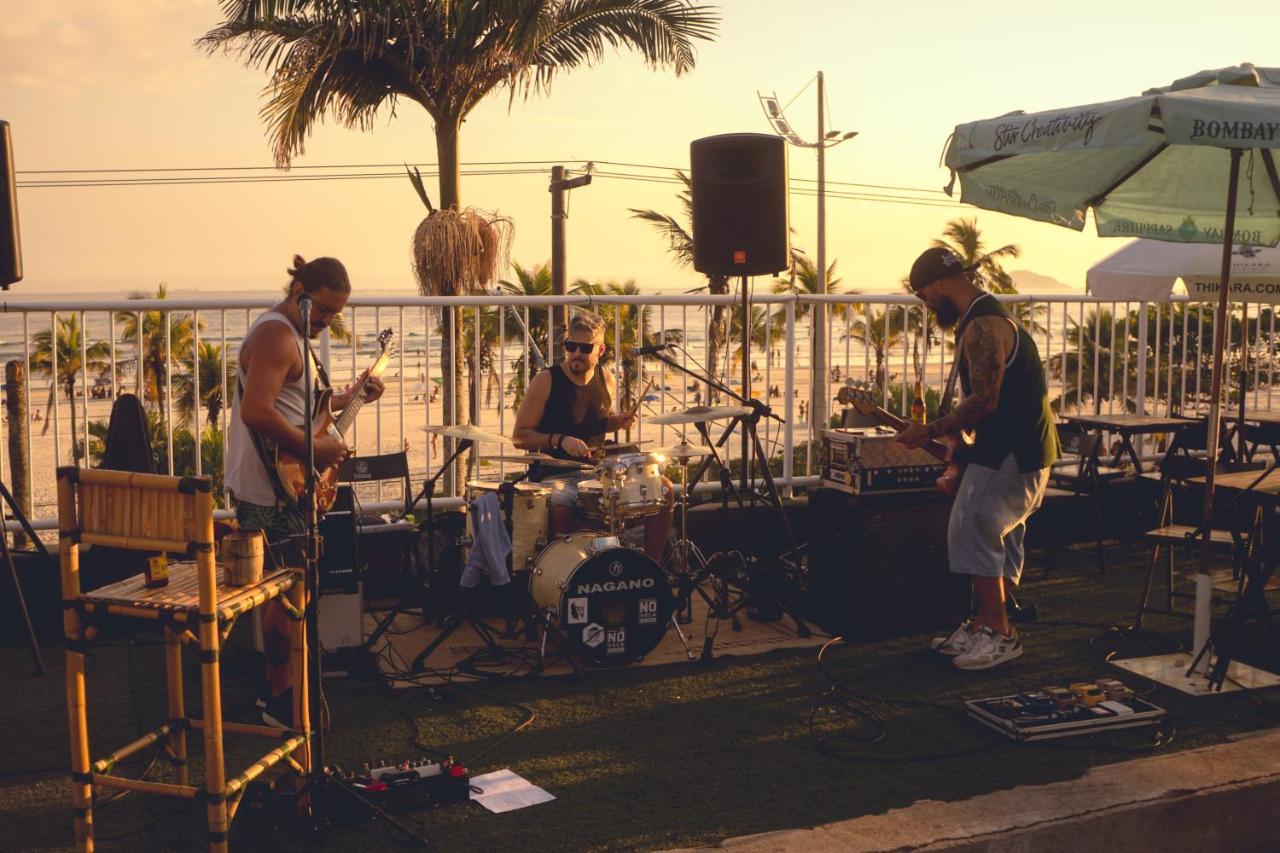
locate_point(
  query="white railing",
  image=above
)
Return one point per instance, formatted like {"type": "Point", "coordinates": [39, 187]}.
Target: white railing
{"type": "Point", "coordinates": [1100, 357]}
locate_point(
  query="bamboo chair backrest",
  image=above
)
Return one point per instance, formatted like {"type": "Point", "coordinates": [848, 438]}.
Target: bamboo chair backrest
{"type": "Point", "coordinates": [144, 512]}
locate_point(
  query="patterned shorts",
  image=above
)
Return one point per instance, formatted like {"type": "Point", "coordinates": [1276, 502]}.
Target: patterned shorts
{"type": "Point", "coordinates": [277, 523]}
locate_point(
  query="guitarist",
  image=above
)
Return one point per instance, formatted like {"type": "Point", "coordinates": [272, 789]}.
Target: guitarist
{"type": "Point", "coordinates": [269, 404]}
{"type": "Point", "coordinates": [1006, 405]}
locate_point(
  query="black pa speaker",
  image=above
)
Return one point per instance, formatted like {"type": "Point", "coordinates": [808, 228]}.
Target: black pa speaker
{"type": "Point", "coordinates": [878, 563]}
{"type": "Point", "coordinates": [738, 184]}
{"type": "Point", "coordinates": [10, 245]}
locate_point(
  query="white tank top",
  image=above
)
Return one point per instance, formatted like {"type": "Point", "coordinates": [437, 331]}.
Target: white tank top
{"type": "Point", "coordinates": [244, 475]}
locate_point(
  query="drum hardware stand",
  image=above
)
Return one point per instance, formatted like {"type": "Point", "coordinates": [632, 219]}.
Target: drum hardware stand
{"type": "Point", "coordinates": [422, 589]}
{"type": "Point", "coordinates": [323, 786]}
{"type": "Point", "coordinates": [753, 452]}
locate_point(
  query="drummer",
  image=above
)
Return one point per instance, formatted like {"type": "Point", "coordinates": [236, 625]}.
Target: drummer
{"type": "Point", "coordinates": [566, 412]}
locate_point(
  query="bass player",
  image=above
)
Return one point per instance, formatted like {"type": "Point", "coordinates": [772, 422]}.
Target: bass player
{"type": "Point", "coordinates": [1006, 405]}
{"type": "Point", "coordinates": [269, 404]}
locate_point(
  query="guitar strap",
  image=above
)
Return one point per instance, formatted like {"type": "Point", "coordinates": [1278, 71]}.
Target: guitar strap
{"type": "Point", "coordinates": [949, 390]}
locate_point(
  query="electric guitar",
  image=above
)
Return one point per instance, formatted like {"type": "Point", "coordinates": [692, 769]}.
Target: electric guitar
{"type": "Point", "coordinates": [292, 469]}
{"type": "Point", "coordinates": [866, 400]}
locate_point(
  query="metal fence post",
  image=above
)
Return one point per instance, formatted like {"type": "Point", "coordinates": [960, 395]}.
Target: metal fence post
{"type": "Point", "coordinates": [788, 397]}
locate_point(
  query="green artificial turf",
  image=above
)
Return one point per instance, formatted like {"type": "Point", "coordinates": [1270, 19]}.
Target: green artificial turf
{"type": "Point", "coordinates": [640, 758]}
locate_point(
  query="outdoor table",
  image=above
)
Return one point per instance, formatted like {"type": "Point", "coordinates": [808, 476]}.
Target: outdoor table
{"type": "Point", "coordinates": [1127, 426]}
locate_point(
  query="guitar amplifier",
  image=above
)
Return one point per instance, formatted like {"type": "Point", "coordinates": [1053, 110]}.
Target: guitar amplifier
{"type": "Point", "coordinates": [867, 460]}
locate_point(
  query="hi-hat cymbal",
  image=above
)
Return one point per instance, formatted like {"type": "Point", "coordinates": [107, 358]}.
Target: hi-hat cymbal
{"type": "Point", "coordinates": [468, 432]}
{"type": "Point", "coordinates": [684, 450]}
{"type": "Point", "coordinates": [699, 414]}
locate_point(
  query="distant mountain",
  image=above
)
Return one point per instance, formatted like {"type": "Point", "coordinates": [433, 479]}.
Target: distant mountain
{"type": "Point", "coordinates": [1033, 282]}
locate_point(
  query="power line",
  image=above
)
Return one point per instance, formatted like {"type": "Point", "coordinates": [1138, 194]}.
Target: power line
{"type": "Point", "coordinates": [274, 168]}
{"type": "Point", "coordinates": [433, 170]}
{"type": "Point", "coordinates": [204, 180]}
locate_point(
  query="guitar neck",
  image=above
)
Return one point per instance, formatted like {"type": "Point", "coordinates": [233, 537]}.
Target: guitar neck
{"type": "Point", "coordinates": [348, 414]}
{"type": "Point", "coordinates": [933, 447]}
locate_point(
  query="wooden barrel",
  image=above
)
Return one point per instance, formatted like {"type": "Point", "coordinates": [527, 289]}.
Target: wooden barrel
{"type": "Point", "coordinates": [242, 557]}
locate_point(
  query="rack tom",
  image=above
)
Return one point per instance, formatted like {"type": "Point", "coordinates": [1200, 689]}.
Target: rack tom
{"type": "Point", "coordinates": [633, 482]}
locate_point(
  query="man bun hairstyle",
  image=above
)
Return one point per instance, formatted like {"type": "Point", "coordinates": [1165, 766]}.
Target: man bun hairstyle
{"type": "Point", "coordinates": [320, 274]}
{"type": "Point", "coordinates": [586, 322]}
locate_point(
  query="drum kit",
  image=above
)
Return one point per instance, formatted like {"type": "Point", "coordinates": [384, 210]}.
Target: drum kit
{"type": "Point", "coordinates": [610, 603]}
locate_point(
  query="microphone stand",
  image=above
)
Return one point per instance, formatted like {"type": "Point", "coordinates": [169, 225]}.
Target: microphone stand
{"type": "Point", "coordinates": [327, 792]}
{"type": "Point", "coordinates": [754, 452]}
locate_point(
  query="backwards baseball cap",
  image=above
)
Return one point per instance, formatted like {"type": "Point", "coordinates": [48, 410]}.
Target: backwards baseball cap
{"type": "Point", "coordinates": [933, 265]}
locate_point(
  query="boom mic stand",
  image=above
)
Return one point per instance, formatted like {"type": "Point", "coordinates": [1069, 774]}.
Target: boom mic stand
{"type": "Point", "coordinates": [752, 450]}
{"type": "Point", "coordinates": [428, 492]}
{"type": "Point", "coordinates": [326, 791]}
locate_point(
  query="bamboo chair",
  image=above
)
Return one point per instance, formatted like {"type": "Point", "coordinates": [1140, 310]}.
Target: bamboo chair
{"type": "Point", "coordinates": [149, 512]}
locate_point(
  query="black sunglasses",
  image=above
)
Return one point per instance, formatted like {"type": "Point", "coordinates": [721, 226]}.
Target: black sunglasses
{"type": "Point", "coordinates": [579, 346]}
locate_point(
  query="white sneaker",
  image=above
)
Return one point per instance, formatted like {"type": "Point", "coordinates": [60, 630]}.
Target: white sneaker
{"type": "Point", "coordinates": [989, 649]}
{"type": "Point", "coordinates": [955, 643]}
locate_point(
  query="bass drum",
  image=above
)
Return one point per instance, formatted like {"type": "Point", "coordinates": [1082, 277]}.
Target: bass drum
{"type": "Point", "coordinates": [613, 603]}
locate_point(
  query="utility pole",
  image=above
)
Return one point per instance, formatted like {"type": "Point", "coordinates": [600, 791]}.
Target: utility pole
{"type": "Point", "coordinates": [559, 187]}
{"type": "Point", "coordinates": [818, 317]}
{"type": "Point", "coordinates": [773, 111]}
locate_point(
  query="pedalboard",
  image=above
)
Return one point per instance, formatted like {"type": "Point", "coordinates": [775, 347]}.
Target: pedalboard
{"type": "Point", "coordinates": [1083, 707]}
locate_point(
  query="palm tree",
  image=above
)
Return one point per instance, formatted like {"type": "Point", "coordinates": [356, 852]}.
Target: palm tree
{"type": "Point", "coordinates": [530, 281]}
{"type": "Point", "coordinates": [212, 368]}
{"type": "Point", "coordinates": [66, 346]}
{"type": "Point", "coordinates": [146, 331]}
{"type": "Point", "coordinates": [353, 58]}
{"type": "Point", "coordinates": [680, 245]}
{"type": "Point", "coordinates": [964, 239]}
{"type": "Point", "coordinates": [882, 330]}
{"type": "Point", "coordinates": [622, 327]}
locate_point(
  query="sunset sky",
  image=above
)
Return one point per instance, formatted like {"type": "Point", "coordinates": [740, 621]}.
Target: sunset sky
{"type": "Point", "coordinates": [118, 84]}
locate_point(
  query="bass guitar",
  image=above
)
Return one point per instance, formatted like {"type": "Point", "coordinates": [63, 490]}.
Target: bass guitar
{"type": "Point", "coordinates": [292, 469]}
{"type": "Point", "coordinates": [866, 400]}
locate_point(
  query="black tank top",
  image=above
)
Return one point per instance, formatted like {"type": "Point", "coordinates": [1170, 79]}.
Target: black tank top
{"type": "Point", "coordinates": [1022, 423]}
{"type": "Point", "coordinates": [581, 411]}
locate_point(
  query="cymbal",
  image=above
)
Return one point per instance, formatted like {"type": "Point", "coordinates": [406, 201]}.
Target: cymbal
{"type": "Point", "coordinates": [684, 450]}
{"type": "Point", "coordinates": [699, 414]}
{"type": "Point", "coordinates": [468, 432]}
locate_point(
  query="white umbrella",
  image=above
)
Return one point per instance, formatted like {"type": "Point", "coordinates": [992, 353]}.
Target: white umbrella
{"type": "Point", "coordinates": [1147, 270]}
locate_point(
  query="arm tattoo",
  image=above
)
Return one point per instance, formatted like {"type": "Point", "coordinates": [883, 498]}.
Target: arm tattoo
{"type": "Point", "coordinates": [985, 357]}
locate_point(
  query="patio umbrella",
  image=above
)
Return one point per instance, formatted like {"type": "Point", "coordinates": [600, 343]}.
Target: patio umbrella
{"type": "Point", "coordinates": [1147, 270]}
{"type": "Point", "coordinates": [1192, 162]}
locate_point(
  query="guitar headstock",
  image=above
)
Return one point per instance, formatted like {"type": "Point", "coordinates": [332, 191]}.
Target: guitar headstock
{"type": "Point", "coordinates": [863, 396]}
{"type": "Point", "coordinates": [387, 341]}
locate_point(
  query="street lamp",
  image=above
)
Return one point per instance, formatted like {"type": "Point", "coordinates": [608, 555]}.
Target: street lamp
{"type": "Point", "coordinates": [826, 139]}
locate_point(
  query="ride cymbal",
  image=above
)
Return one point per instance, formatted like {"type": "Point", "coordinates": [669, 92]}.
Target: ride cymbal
{"type": "Point", "coordinates": [699, 414]}
{"type": "Point", "coordinates": [468, 432]}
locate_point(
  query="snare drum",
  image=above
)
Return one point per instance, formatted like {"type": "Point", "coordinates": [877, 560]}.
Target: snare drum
{"type": "Point", "coordinates": [591, 506]}
{"type": "Point", "coordinates": [613, 603]}
{"type": "Point", "coordinates": [636, 480]}
{"type": "Point", "coordinates": [527, 519]}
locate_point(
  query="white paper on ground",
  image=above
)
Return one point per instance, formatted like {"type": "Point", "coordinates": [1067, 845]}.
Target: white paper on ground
{"type": "Point", "coordinates": [504, 791]}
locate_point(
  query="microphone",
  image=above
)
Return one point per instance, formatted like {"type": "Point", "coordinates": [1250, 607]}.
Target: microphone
{"type": "Point", "coordinates": [636, 352]}
{"type": "Point", "coordinates": [304, 308]}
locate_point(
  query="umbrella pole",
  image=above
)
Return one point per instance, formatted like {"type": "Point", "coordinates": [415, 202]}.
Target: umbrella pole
{"type": "Point", "coordinates": [1204, 589]}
